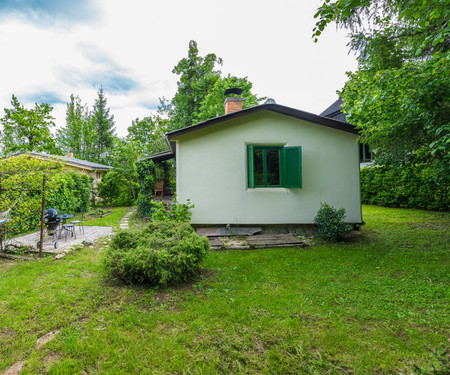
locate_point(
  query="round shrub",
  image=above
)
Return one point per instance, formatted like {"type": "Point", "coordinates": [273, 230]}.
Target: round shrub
{"type": "Point", "coordinates": [330, 222]}
{"type": "Point", "coordinates": [160, 254]}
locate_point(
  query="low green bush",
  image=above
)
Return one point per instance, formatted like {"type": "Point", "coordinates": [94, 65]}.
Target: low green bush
{"type": "Point", "coordinates": [178, 212]}
{"type": "Point", "coordinates": [330, 222]}
{"type": "Point", "coordinates": [162, 253]}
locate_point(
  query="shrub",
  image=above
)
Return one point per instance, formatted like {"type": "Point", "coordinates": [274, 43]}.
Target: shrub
{"type": "Point", "coordinates": [330, 222]}
{"type": "Point", "coordinates": [407, 186]}
{"type": "Point", "coordinates": [160, 254]}
{"type": "Point", "coordinates": [178, 212]}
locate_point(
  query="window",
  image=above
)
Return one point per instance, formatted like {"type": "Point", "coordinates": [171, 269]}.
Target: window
{"type": "Point", "coordinates": [364, 153]}
{"type": "Point", "coordinates": [274, 166]}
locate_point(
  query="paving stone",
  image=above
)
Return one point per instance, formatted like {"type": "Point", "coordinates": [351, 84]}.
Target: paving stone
{"type": "Point", "coordinates": [46, 338]}
{"type": "Point", "coordinates": [15, 369]}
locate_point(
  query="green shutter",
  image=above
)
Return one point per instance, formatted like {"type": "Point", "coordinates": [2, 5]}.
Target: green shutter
{"type": "Point", "coordinates": [292, 167]}
{"type": "Point", "coordinates": [250, 167]}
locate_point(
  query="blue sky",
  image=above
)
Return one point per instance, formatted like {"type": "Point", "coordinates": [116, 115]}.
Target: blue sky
{"type": "Point", "coordinates": [54, 48]}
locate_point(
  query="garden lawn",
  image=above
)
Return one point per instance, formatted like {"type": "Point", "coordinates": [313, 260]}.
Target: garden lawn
{"type": "Point", "coordinates": [373, 304]}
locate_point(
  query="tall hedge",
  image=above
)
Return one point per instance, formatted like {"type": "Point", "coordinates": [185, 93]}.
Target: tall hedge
{"type": "Point", "coordinates": [67, 191]}
{"type": "Point", "coordinates": [411, 186]}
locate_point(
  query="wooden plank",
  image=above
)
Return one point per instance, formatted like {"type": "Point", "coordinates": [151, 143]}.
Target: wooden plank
{"type": "Point", "coordinates": [274, 239]}
{"type": "Point", "coordinates": [225, 232]}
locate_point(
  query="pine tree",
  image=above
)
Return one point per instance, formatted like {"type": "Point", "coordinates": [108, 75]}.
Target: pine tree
{"type": "Point", "coordinates": [77, 135]}
{"type": "Point", "coordinates": [103, 124]}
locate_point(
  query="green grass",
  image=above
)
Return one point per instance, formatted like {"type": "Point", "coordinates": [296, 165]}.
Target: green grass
{"type": "Point", "coordinates": [111, 219]}
{"type": "Point", "coordinates": [373, 304]}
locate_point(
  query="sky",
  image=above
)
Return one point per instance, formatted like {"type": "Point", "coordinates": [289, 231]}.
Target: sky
{"type": "Point", "coordinates": [51, 49]}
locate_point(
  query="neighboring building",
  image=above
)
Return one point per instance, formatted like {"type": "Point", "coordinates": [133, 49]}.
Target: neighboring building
{"type": "Point", "coordinates": [268, 164]}
{"type": "Point", "coordinates": [95, 170]}
{"type": "Point", "coordinates": [334, 111]}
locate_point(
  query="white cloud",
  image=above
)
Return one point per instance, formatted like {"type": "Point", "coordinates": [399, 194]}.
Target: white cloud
{"type": "Point", "coordinates": [131, 47]}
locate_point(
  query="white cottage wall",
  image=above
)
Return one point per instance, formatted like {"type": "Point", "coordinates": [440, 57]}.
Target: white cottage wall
{"type": "Point", "coordinates": [212, 171]}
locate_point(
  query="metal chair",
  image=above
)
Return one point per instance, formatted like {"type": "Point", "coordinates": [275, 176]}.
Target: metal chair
{"type": "Point", "coordinates": [79, 222]}
{"type": "Point", "coordinates": [68, 228]}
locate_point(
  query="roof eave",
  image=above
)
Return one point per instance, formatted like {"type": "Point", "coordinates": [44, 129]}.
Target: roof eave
{"type": "Point", "coordinates": [336, 124]}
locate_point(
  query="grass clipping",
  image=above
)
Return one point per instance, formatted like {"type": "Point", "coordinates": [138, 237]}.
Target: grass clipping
{"type": "Point", "coordinates": [162, 253]}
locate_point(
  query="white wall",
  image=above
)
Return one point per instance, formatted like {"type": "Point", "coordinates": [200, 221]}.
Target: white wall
{"type": "Point", "coordinates": [212, 171]}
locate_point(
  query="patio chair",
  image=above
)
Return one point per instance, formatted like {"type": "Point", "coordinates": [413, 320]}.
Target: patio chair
{"type": "Point", "coordinates": [79, 222]}
{"type": "Point", "coordinates": [68, 228]}
{"type": "Point", "coordinates": [159, 189]}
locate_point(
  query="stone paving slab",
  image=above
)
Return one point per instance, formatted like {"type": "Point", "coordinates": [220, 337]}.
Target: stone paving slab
{"type": "Point", "coordinates": [91, 233]}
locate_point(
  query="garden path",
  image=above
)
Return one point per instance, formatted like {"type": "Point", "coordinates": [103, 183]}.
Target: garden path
{"type": "Point", "coordinates": [91, 233]}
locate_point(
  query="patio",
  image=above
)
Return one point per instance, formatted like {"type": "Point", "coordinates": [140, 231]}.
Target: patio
{"type": "Point", "coordinates": [91, 233]}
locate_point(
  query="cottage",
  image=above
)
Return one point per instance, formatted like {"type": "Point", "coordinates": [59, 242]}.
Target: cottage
{"type": "Point", "coordinates": [266, 165]}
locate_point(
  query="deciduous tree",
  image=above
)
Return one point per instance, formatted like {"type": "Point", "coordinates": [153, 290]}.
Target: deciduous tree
{"type": "Point", "coordinates": [399, 96]}
{"type": "Point", "coordinates": [28, 129]}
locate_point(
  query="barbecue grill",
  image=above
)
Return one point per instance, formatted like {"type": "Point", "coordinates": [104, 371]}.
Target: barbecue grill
{"type": "Point", "coordinates": [51, 221]}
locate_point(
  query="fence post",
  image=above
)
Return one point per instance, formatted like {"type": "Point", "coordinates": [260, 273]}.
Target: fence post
{"type": "Point", "coordinates": [41, 241]}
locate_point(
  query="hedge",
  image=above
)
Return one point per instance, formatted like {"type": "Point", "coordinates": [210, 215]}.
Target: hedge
{"type": "Point", "coordinates": [407, 186]}
{"type": "Point", "coordinates": [67, 191]}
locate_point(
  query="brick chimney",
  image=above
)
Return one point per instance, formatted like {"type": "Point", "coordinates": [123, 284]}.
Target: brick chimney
{"type": "Point", "coordinates": [233, 105]}
{"type": "Point", "coordinates": [69, 155]}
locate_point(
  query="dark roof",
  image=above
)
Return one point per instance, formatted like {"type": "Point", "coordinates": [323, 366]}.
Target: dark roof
{"type": "Point", "coordinates": [288, 111]}
{"type": "Point", "coordinates": [333, 109]}
{"type": "Point", "coordinates": [74, 161]}
{"type": "Point", "coordinates": [159, 157]}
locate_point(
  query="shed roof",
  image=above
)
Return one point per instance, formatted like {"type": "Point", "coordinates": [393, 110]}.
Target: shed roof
{"type": "Point", "coordinates": [74, 161]}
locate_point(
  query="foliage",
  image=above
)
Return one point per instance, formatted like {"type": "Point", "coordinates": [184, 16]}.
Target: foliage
{"type": "Point", "coordinates": [78, 134]}
{"type": "Point", "coordinates": [330, 223]}
{"type": "Point", "coordinates": [385, 32]}
{"type": "Point", "coordinates": [404, 113]}
{"type": "Point", "coordinates": [399, 97]}
{"type": "Point", "coordinates": [146, 182]}
{"type": "Point", "coordinates": [201, 90]}
{"type": "Point", "coordinates": [162, 253]}
{"type": "Point", "coordinates": [113, 190]}
{"type": "Point", "coordinates": [412, 186]}
{"type": "Point", "coordinates": [197, 77]}
{"type": "Point", "coordinates": [148, 134]}
{"type": "Point", "coordinates": [67, 191]}
{"type": "Point", "coordinates": [177, 212]}
{"type": "Point", "coordinates": [28, 129]}
{"type": "Point", "coordinates": [103, 124]}
{"type": "Point", "coordinates": [213, 103]}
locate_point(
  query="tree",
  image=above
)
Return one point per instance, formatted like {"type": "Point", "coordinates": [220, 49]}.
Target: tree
{"type": "Point", "coordinates": [103, 124]}
{"type": "Point", "coordinates": [201, 90]}
{"type": "Point", "coordinates": [213, 103]}
{"type": "Point", "coordinates": [77, 135]}
{"type": "Point", "coordinates": [28, 129]}
{"type": "Point", "coordinates": [389, 30]}
{"type": "Point", "coordinates": [125, 155]}
{"type": "Point", "coordinates": [197, 77]}
{"type": "Point", "coordinates": [148, 134]}
{"type": "Point", "coordinates": [399, 96]}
